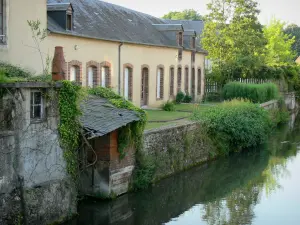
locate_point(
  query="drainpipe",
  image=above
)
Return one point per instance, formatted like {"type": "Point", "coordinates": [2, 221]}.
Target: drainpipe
{"type": "Point", "coordinates": [119, 78]}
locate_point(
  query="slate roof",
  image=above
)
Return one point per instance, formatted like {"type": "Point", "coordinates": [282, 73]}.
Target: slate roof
{"type": "Point", "coordinates": [106, 21]}
{"type": "Point", "coordinates": [58, 6]}
{"type": "Point", "coordinates": [99, 117]}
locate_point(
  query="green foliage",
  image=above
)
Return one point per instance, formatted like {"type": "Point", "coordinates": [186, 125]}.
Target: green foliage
{"type": "Point", "coordinates": [212, 97]}
{"type": "Point", "coordinates": [144, 172]}
{"type": "Point", "coordinates": [187, 14]}
{"type": "Point", "coordinates": [235, 125]}
{"type": "Point", "coordinates": [257, 93]}
{"type": "Point", "coordinates": [232, 31]}
{"type": "Point", "coordinates": [11, 71]}
{"type": "Point", "coordinates": [293, 30]}
{"type": "Point", "coordinates": [131, 134]}
{"type": "Point", "coordinates": [180, 97]}
{"type": "Point", "coordinates": [187, 98]}
{"type": "Point", "coordinates": [279, 44]}
{"type": "Point", "coordinates": [168, 106]}
{"type": "Point", "coordinates": [69, 126]}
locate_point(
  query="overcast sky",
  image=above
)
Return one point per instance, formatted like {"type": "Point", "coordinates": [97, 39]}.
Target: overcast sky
{"type": "Point", "coordinates": [287, 10]}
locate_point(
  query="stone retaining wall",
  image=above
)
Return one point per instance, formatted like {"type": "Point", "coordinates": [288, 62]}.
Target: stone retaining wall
{"type": "Point", "coordinates": [177, 148]}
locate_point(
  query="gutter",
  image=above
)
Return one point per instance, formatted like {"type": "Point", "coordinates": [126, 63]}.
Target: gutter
{"type": "Point", "coordinates": [119, 77]}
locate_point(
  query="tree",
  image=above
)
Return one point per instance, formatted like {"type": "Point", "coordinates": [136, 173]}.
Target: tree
{"type": "Point", "coordinates": [187, 14]}
{"type": "Point", "coordinates": [294, 31]}
{"type": "Point", "coordinates": [233, 34]}
{"type": "Point", "coordinates": [279, 44]}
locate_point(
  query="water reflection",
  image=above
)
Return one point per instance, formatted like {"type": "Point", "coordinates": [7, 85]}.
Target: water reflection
{"type": "Point", "coordinates": [223, 192]}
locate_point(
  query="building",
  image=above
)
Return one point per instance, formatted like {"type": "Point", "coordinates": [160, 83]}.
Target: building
{"type": "Point", "coordinates": [144, 58]}
{"type": "Point", "coordinates": [108, 175]}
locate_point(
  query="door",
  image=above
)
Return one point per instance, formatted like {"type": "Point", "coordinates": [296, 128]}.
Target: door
{"type": "Point", "coordinates": [144, 87]}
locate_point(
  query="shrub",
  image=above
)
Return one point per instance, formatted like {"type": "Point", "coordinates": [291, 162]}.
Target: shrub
{"type": "Point", "coordinates": [179, 97]}
{"type": "Point", "coordinates": [212, 97]}
{"type": "Point", "coordinates": [187, 98]}
{"type": "Point", "coordinates": [257, 93]}
{"type": "Point", "coordinates": [235, 125]}
{"type": "Point", "coordinates": [168, 106]}
{"type": "Point", "coordinates": [14, 71]}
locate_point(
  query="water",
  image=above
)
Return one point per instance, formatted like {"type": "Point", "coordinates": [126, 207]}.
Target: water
{"type": "Point", "coordinates": [260, 187]}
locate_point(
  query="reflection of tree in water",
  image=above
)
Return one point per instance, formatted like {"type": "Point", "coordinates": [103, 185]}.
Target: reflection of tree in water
{"type": "Point", "coordinates": [237, 208]}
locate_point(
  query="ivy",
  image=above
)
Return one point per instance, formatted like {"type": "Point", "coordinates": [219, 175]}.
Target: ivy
{"type": "Point", "coordinates": [69, 126]}
{"type": "Point", "coordinates": [131, 134]}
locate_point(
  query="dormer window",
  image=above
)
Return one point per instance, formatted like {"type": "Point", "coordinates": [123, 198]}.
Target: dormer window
{"type": "Point", "coordinates": [69, 22]}
{"type": "Point", "coordinates": [180, 39]}
{"type": "Point", "coordinates": [62, 14]}
{"type": "Point", "coordinates": [193, 42]}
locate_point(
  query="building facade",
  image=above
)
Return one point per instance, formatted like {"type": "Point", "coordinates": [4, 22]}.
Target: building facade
{"type": "Point", "coordinates": [143, 58]}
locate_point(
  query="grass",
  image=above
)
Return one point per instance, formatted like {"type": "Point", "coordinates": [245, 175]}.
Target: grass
{"type": "Point", "coordinates": [158, 115]}
{"type": "Point", "coordinates": [192, 107]}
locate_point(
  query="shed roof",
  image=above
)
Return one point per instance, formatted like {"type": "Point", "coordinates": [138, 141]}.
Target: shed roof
{"type": "Point", "coordinates": [100, 117]}
{"type": "Point", "coordinates": [58, 6]}
{"type": "Point", "coordinates": [106, 21]}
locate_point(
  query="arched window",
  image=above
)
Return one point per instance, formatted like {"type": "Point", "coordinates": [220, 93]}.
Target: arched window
{"type": "Point", "coordinates": [128, 82]}
{"type": "Point", "coordinates": [160, 83]}
{"type": "Point", "coordinates": [92, 76]}
{"type": "Point", "coordinates": [199, 82]}
{"type": "Point", "coordinates": [75, 73]}
{"type": "Point", "coordinates": [179, 71]}
{"type": "Point", "coordinates": [92, 72]}
{"type": "Point", "coordinates": [144, 85]}
{"type": "Point", "coordinates": [172, 78]}
{"type": "Point", "coordinates": [186, 81]}
{"type": "Point", "coordinates": [193, 82]}
{"type": "Point", "coordinates": [105, 74]}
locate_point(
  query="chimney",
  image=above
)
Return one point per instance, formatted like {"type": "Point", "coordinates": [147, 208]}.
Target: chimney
{"type": "Point", "coordinates": [58, 64]}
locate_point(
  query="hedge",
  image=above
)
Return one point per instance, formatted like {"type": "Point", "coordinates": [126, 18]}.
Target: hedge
{"type": "Point", "coordinates": [256, 93]}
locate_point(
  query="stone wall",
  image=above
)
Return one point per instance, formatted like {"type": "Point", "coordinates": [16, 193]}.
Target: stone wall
{"type": "Point", "coordinates": [34, 184]}
{"type": "Point", "coordinates": [177, 148]}
{"type": "Point", "coordinates": [290, 100]}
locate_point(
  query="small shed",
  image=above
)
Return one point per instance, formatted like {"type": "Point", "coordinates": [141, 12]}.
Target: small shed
{"type": "Point", "coordinates": [104, 173]}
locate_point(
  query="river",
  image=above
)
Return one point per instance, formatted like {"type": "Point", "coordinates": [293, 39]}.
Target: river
{"type": "Point", "coordinates": [260, 187]}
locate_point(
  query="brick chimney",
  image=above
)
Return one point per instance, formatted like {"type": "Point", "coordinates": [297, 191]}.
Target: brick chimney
{"type": "Point", "coordinates": [58, 64]}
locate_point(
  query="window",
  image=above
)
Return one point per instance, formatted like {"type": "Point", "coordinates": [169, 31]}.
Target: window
{"type": "Point", "coordinates": [2, 21]}
{"type": "Point", "coordinates": [180, 39]}
{"type": "Point", "coordinates": [36, 105]}
{"type": "Point", "coordinates": [160, 83]}
{"type": "Point", "coordinates": [128, 83]}
{"type": "Point", "coordinates": [193, 82]}
{"type": "Point", "coordinates": [186, 82]}
{"type": "Point", "coordinates": [193, 42]}
{"type": "Point", "coordinates": [179, 79]}
{"type": "Point", "coordinates": [172, 82]}
{"type": "Point", "coordinates": [179, 54]}
{"type": "Point", "coordinates": [105, 76]}
{"type": "Point", "coordinates": [69, 21]}
{"type": "Point", "coordinates": [199, 82]}
{"type": "Point", "coordinates": [92, 76]}
{"type": "Point", "coordinates": [75, 73]}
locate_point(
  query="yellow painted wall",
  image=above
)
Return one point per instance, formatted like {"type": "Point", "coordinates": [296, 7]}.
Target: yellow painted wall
{"type": "Point", "coordinates": [22, 51]}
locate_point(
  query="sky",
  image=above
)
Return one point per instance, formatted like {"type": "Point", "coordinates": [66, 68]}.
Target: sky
{"type": "Point", "coordinates": [286, 10]}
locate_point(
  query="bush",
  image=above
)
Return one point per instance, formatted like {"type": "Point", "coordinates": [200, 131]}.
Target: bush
{"type": "Point", "coordinates": [213, 97]}
{"type": "Point", "coordinates": [235, 125]}
{"type": "Point", "coordinates": [187, 98]}
{"type": "Point", "coordinates": [168, 106]}
{"type": "Point", "coordinates": [257, 93]}
{"type": "Point", "coordinates": [179, 97]}
{"type": "Point", "coordinates": [13, 71]}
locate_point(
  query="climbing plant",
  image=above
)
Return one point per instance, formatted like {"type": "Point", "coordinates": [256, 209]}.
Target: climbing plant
{"type": "Point", "coordinates": [132, 133]}
{"type": "Point", "coordinates": [69, 126]}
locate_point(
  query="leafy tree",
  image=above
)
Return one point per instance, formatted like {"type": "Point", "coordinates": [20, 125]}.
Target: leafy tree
{"type": "Point", "coordinates": [187, 14]}
{"type": "Point", "coordinates": [294, 31]}
{"type": "Point", "coordinates": [232, 32]}
{"type": "Point", "coordinates": [279, 44]}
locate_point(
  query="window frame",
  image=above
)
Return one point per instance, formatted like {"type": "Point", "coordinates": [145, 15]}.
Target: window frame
{"type": "Point", "coordinates": [172, 82]}
{"type": "Point", "coordinates": [33, 105]}
{"type": "Point", "coordinates": [3, 28]}
{"type": "Point", "coordinates": [129, 68]}
{"type": "Point", "coordinates": [69, 21]}
{"type": "Point", "coordinates": [160, 83]}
